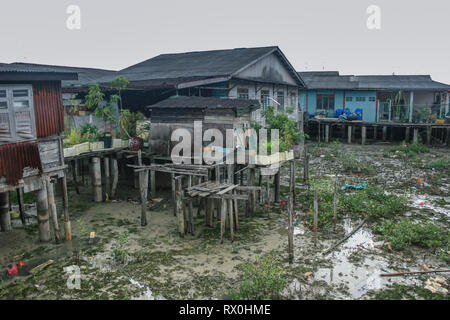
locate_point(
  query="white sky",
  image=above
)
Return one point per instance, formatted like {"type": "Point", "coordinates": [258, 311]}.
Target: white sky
{"type": "Point", "coordinates": [314, 35]}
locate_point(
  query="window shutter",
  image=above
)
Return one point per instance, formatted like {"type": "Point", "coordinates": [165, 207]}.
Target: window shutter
{"type": "Point", "coordinates": [23, 124]}
{"type": "Point", "coordinates": [5, 128]}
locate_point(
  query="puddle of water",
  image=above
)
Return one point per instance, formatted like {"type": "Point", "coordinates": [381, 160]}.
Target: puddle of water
{"type": "Point", "coordinates": [147, 294]}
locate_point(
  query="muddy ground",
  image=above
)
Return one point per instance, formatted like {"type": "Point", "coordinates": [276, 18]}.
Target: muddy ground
{"type": "Point", "coordinates": [158, 264]}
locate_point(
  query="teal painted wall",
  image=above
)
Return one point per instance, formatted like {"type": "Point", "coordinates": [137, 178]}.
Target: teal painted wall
{"type": "Point", "coordinates": [307, 100]}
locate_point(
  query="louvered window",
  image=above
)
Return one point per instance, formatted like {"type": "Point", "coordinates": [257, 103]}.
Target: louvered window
{"type": "Point", "coordinates": [16, 113]}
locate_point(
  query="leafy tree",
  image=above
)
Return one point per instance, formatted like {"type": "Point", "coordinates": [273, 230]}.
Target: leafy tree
{"type": "Point", "coordinates": [289, 134]}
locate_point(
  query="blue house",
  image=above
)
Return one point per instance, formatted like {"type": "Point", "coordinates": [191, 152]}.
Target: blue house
{"type": "Point", "coordinates": [377, 98]}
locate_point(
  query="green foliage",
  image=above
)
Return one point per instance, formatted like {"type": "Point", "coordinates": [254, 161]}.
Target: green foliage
{"type": "Point", "coordinates": [128, 121]}
{"type": "Point", "coordinates": [410, 150]}
{"type": "Point", "coordinates": [89, 132]}
{"type": "Point", "coordinates": [405, 233]}
{"type": "Point", "coordinates": [119, 251]}
{"type": "Point", "coordinates": [74, 137]}
{"type": "Point", "coordinates": [401, 292]}
{"type": "Point", "coordinates": [351, 164]}
{"type": "Point", "coordinates": [262, 279]}
{"type": "Point", "coordinates": [373, 202]}
{"type": "Point", "coordinates": [325, 194]}
{"type": "Point", "coordinates": [440, 164]}
{"type": "Point", "coordinates": [279, 120]}
{"type": "Point", "coordinates": [119, 83]}
{"type": "Point", "coordinates": [94, 97]}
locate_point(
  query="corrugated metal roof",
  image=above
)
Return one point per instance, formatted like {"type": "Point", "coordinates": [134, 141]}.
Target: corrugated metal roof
{"type": "Point", "coordinates": [31, 71]}
{"type": "Point", "coordinates": [208, 64]}
{"type": "Point", "coordinates": [85, 75]}
{"type": "Point", "coordinates": [332, 80]}
{"type": "Point", "coordinates": [182, 102]}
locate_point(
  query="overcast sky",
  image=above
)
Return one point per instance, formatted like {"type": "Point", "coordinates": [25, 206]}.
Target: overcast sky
{"type": "Point", "coordinates": [314, 35]}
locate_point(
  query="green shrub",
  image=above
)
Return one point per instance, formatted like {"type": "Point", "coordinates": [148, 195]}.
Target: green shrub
{"type": "Point", "coordinates": [405, 233]}
{"type": "Point", "coordinates": [74, 137]}
{"type": "Point", "coordinates": [440, 164]}
{"type": "Point", "coordinates": [262, 279]}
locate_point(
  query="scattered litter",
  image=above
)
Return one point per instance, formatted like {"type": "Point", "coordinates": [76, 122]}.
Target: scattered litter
{"type": "Point", "coordinates": [308, 274]}
{"type": "Point", "coordinates": [436, 285]}
{"type": "Point", "coordinates": [298, 231]}
{"type": "Point", "coordinates": [43, 265]}
{"type": "Point", "coordinates": [13, 270]}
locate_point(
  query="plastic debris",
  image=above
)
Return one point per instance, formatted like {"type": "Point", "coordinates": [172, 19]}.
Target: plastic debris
{"type": "Point", "coordinates": [436, 284]}
{"type": "Point", "coordinates": [355, 186]}
{"type": "Point", "coordinates": [13, 270]}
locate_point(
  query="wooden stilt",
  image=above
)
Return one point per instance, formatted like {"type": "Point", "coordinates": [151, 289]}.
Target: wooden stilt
{"type": "Point", "coordinates": [153, 181]}
{"type": "Point", "coordinates": [190, 209]}
{"type": "Point", "coordinates": [305, 165]}
{"type": "Point", "coordinates": [252, 198]}
{"type": "Point", "coordinates": [174, 197]}
{"type": "Point", "coordinates": [179, 206]}
{"type": "Point", "coordinates": [316, 215]}
{"type": "Point", "coordinates": [407, 129]}
{"type": "Point", "coordinates": [384, 133]}
{"type": "Point", "coordinates": [429, 135]}
{"type": "Point", "coordinates": [291, 213]}
{"type": "Point", "coordinates": [106, 172]}
{"type": "Point", "coordinates": [416, 135]}
{"type": "Point", "coordinates": [43, 214]}
{"type": "Point", "coordinates": [327, 133]}
{"type": "Point", "coordinates": [277, 186]}
{"type": "Point", "coordinates": [236, 212]}
{"type": "Point", "coordinates": [5, 218]}
{"type": "Point", "coordinates": [268, 195]}
{"type": "Point", "coordinates": [223, 217]}
{"type": "Point", "coordinates": [115, 173]}
{"type": "Point", "coordinates": [65, 196]}
{"type": "Point", "coordinates": [136, 175]}
{"type": "Point", "coordinates": [75, 175]}
{"type": "Point", "coordinates": [97, 179]}
{"type": "Point", "coordinates": [335, 199]}
{"type": "Point", "coordinates": [21, 205]}
{"type": "Point", "coordinates": [230, 218]}
{"type": "Point", "coordinates": [52, 208]}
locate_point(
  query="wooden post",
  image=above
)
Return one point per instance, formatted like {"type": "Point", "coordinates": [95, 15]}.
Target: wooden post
{"type": "Point", "coordinates": [252, 197]}
{"type": "Point", "coordinates": [230, 218]}
{"type": "Point", "coordinates": [174, 197]}
{"type": "Point", "coordinates": [349, 136]}
{"type": "Point", "coordinates": [21, 205]}
{"type": "Point", "coordinates": [305, 165]}
{"type": "Point", "coordinates": [67, 227]}
{"type": "Point", "coordinates": [407, 130]}
{"type": "Point", "coordinates": [277, 186]}
{"type": "Point", "coordinates": [52, 208]}
{"type": "Point", "coordinates": [416, 135]}
{"type": "Point", "coordinates": [115, 172]}
{"type": "Point", "coordinates": [143, 189]}
{"type": "Point", "coordinates": [136, 174]}
{"type": "Point", "coordinates": [107, 175]}
{"type": "Point", "coordinates": [97, 179]}
{"type": "Point", "coordinates": [448, 136]}
{"type": "Point", "coordinates": [236, 212]}
{"type": "Point", "coordinates": [335, 198]}
{"type": "Point", "coordinates": [291, 214]}
{"type": "Point", "coordinates": [5, 218]}
{"type": "Point", "coordinates": [319, 135]}
{"type": "Point", "coordinates": [223, 217]}
{"type": "Point", "coordinates": [153, 182]}
{"type": "Point", "coordinates": [327, 133]}
{"type": "Point", "coordinates": [75, 175]}
{"type": "Point", "coordinates": [429, 135]}
{"type": "Point", "coordinates": [268, 195]}
{"type": "Point", "coordinates": [179, 205]}
{"type": "Point", "coordinates": [43, 214]}
{"type": "Point", "coordinates": [316, 215]}
{"type": "Point", "coordinates": [384, 133]}
{"type": "Point", "coordinates": [363, 135]}
{"type": "Point", "coordinates": [190, 209]}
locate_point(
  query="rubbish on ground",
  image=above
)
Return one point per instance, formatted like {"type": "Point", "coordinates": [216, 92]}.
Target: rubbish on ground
{"type": "Point", "coordinates": [308, 274]}
{"type": "Point", "coordinates": [298, 231]}
{"type": "Point", "coordinates": [37, 286]}
{"type": "Point", "coordinates": [21, 264]}
{"type": "Point", "coordinates": [411, 272]}
{"type": "Point", "coordinates": [435, 285]}
{"type": "Point", "coordinates": [356, 186]}
{"type": "Point", "coordinates": [13, 270]}
{"type": "Point", "coordinates": [43, 265]}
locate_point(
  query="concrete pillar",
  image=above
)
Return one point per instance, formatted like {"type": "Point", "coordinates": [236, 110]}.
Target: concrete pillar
{"type": "Point", "coordinates": [363, 134]}
{"type": "Point", "coordinates": [97, 179]}
{"type": "Point", "coordinates": [43, 214]}
{"type": "Point", "coordinates": [416, 135]}
{"type": "Point", "coordinates": [106, 172]}
{"type": "Point", "coordinates": [349, 136]}
{"type": "Point", "coordinates": [5, 218]}
{"type": "Point", "coordinates": [327, 133]}
{"type": "Point", "coordinates": [115, 173]}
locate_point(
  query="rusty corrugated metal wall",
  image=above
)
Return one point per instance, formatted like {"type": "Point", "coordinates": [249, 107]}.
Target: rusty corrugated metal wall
{"type": "Point", "coordinates": [48, 108]}
{"type": "Point", "coordinates": [17, 156]}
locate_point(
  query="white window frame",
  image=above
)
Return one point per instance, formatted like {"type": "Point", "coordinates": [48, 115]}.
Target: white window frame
{"type": "Point", "coordinates": [11, 111]}
{"type": "Point", "coordinates": [245, 90]}
{"type": "Point", "coordinates": [282, 104]}
{"type": "Point", "coordinates": [265, 98]}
